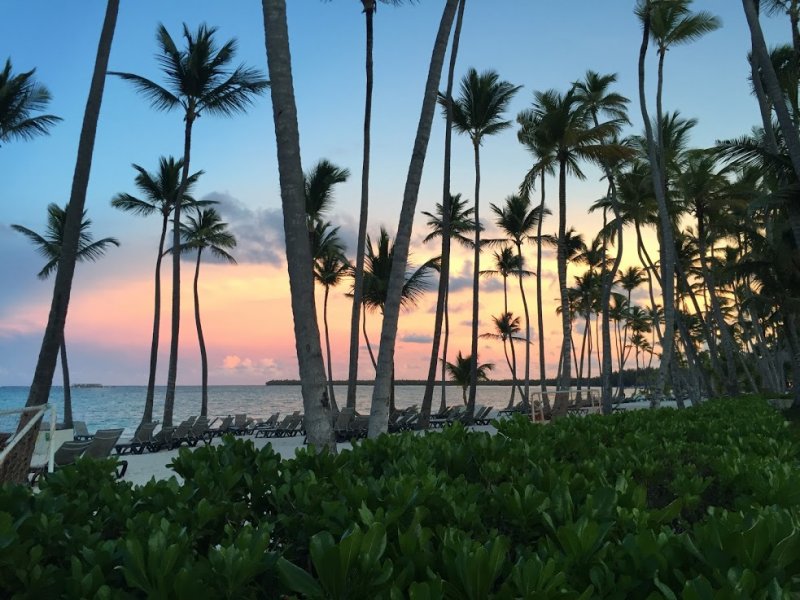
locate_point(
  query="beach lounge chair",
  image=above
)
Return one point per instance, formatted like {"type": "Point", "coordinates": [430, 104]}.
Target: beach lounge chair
{"type": "Point", "coordinates": [139, 441]}
{"type": "Point", "coordinates": [160, 440]}
{"type": "Point", "coordinates": [289, 427]}
{"type": "Point", "coordinates": [440, 420]}
{"type": "Point", "coordinates": [101, 446]}
{"type": "Point", "coordinates": [200, 431]}
{"type": "Point", "coordinates": [182, 435]}
{"type": "Point", "coordinates": [80, 432]}
{"type": "Point", "coordinates": [278, 429]}
{"type": "Point", "coordinates": [341, 428]}
{"type": "Point", "coordinates": [359, 427]}
{"type": "Point", "coordinates": [482, 415]}
{"type": "Point", "coordinates": [223, 427]}
{"type": "Point", "coordinates": [266, 425]}
{"type": "Point", "coordinates": [67, 454]}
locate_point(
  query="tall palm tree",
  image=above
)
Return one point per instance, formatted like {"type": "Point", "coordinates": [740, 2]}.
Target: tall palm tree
{"type": "Point", "coordinates": [378, 260]}
{"type": "Point", "coordinates": [369, 8]}
{"type": "Point", "coordinates": [461, 372]}
{"type": "Point", "coordinates": [567, 122]}
{"type": "Point", "coordinates": [478, 112]}
{"type": "Point", "coordinates": [330, 268]}
{"type": "Point", "coordinates": [593, 92]}
{"type": "Point", "coordinates": [506, 328]}
{"type": "Point", "coordinates": [669, 24]}
{"type": "Point", "coordinates": [703, 188]}
{"type": "Point", "coordinates": [540, 142]}
{"type": "Point", "coordinates": [459, 222]}
{"type": "Point", "coordinates": [50, 246]}
{"type": "Point", "coordinates": [205, 230]}
{"type": "Point", "coordinates": [441, 317]}
{"type": "Point", "coordinates": [20, 97]}
{"type": "Point", "coordinates": [199, 81]}
{"type": "Point", "coordinates": [159, 193]}
{"type": "Point", "coordinates": [507, 264]}
{"type": "Point", "coordinates": [295, 226]}
{"type": "Point", "coordinates": [517, 219]}
{"type": "Point", "coordinates": [54, 331]}
{"type": "Point", "coordinates": [379, 410]}
{"type": "Point", "coordinates": [772, 84]}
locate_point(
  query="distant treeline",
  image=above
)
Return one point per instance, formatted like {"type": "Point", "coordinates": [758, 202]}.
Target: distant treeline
{"type": "Point", "coordinates": [630, 378]}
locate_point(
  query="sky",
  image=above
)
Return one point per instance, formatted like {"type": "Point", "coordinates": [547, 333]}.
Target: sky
{"type": "Point", "coordinates": [245, 307]}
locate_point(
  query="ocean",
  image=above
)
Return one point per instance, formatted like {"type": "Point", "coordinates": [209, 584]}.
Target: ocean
{"type": "Point", "coordinates": [122, 406]}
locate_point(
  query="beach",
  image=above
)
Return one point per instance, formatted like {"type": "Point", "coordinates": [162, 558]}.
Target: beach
{"type": "Point", "coordinates": [143, 467]}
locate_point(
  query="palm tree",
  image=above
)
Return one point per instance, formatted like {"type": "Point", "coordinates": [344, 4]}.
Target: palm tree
{"type": "Point", "coordinates": [319, 184]}
{"type": "Point", "coordinates": [330, 268]}
{"type": "Point", "coordinates": [703, 189]}
{"type": "Point", "coordinates": [160, 191]}
{"type": "Point", "coordinates": [506, 326]}
{"type": "Point", "coordinates": [772, 84]}
{"type": "Point", "coordinates": [295, 225]}
{"type": "Point", "coordinates": [198, 81]}
{"type": "Point", "coordinates": [378, 261]}
{"type": "Point", "coordinates": [54, 331]}
{"type": "Point", "coordinates": [593, 92]}
{"type": "Point", "coordinates": [669, 24]}
{"type": "Point", "coordinates": [50, 246]}
{"type": "Point", "coordinates": [206, 230]}
{"type": "Point", "coordinates": [507, 264]}
{"type": "Point", "coordinates": [568, 124]}
{"type": "Point", "coordinates": [541, 144]}
{"type": "Point", "coordinates": [517, 219]}
{"type": "Point", "coordinates": [21, 96]}
{"type": "Point", "coordinates": [369, 8]}
{"type": "Point", "coordinates": [379, 411]}
{"type": "Point", "coordinates": [478, 112]}
{"type": "Point", "coordinates": [444, 277]}
{"type": "Point", "coordinates": [461, 372]}
{"type": "Point", "coordinates": [459, 223]}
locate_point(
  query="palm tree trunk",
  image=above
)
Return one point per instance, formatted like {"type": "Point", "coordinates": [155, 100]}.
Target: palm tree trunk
{"type": "Point", "coordinates": [526, 396]}
{"type": "Point", "coordinates": [67, 389]}
{"type": "Point", "coordinates": [200, 340]}
{"type": "Point", "coordinates": [565, 372]}
{"type": "Point", "coordinates": [147, 417]}
{"type": "Point", "coordinates": [54, 331]}
{"type": "Point", "coordinates": [667, 245]}
{"type": "Point", "coordinates": [444, 268]}
{"type": "Point", "coordinates": [331, 395]}
{"type": "Point", "coordinates": [728, 346]}
{"type": "Point", "coordinates": [172, 369]}
{"type": "Point", "coordinates": [379, 411]}
{"type": "Point", "coordinates": [773, 86]}
{"type": "Point", "coordinates": [358, 283]}
{"type": "Point", "coordinates": [539, 304]}
{"type": "Point", "coordinates": [713, 355]}
{"type": "Point", "coordinates": [443, 403]}
{"type": "Point", "coordinates": [16, 465]}
{"type": "Point", "coordinates": [298, 252]}
{"type": "Point", "coordinates": [476, 276]}
{"type": "Point", "coordinates": [366, 339]}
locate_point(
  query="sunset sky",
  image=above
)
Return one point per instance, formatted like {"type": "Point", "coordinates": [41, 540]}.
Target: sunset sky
{"type": "Point", "coordinates": [245, 308]}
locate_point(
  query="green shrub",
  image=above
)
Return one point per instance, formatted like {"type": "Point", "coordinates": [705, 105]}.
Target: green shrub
{"type": "Point", "coordinates": [701, 503]}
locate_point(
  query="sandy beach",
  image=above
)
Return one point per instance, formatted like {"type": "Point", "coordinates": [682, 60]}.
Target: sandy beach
{"type": "Point", "coordinates": [143, 467]}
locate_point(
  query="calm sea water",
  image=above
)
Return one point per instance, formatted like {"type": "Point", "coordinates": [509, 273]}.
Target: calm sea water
{"type": "Point", "coordinates": [122, 406]}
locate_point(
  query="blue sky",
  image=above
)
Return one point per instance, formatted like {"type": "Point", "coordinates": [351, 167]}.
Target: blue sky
{"type": "Point", "coordinates": [532, 43]}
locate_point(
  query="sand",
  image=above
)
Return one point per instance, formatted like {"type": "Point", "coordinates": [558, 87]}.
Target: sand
{"type": "Point", "coordinates": [143, 467]}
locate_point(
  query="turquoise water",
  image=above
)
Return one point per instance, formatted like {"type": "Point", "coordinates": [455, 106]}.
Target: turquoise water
{"type": "Point", "coordinates": [122, 406]}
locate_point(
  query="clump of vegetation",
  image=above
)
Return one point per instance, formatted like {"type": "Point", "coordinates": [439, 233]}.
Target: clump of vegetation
{"type": "Point", "coordinates": [698, 503]}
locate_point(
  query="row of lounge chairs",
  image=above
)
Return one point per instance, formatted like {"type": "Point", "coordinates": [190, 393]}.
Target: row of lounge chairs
{"type": "Point", "coordinates": [191, 432]}
{"type": "Point", "coordinates": [456, 414]}
{"type": "Point", "coordinates": [290, 426]}
{"type": "Point", "coordinates": [99, 446]}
